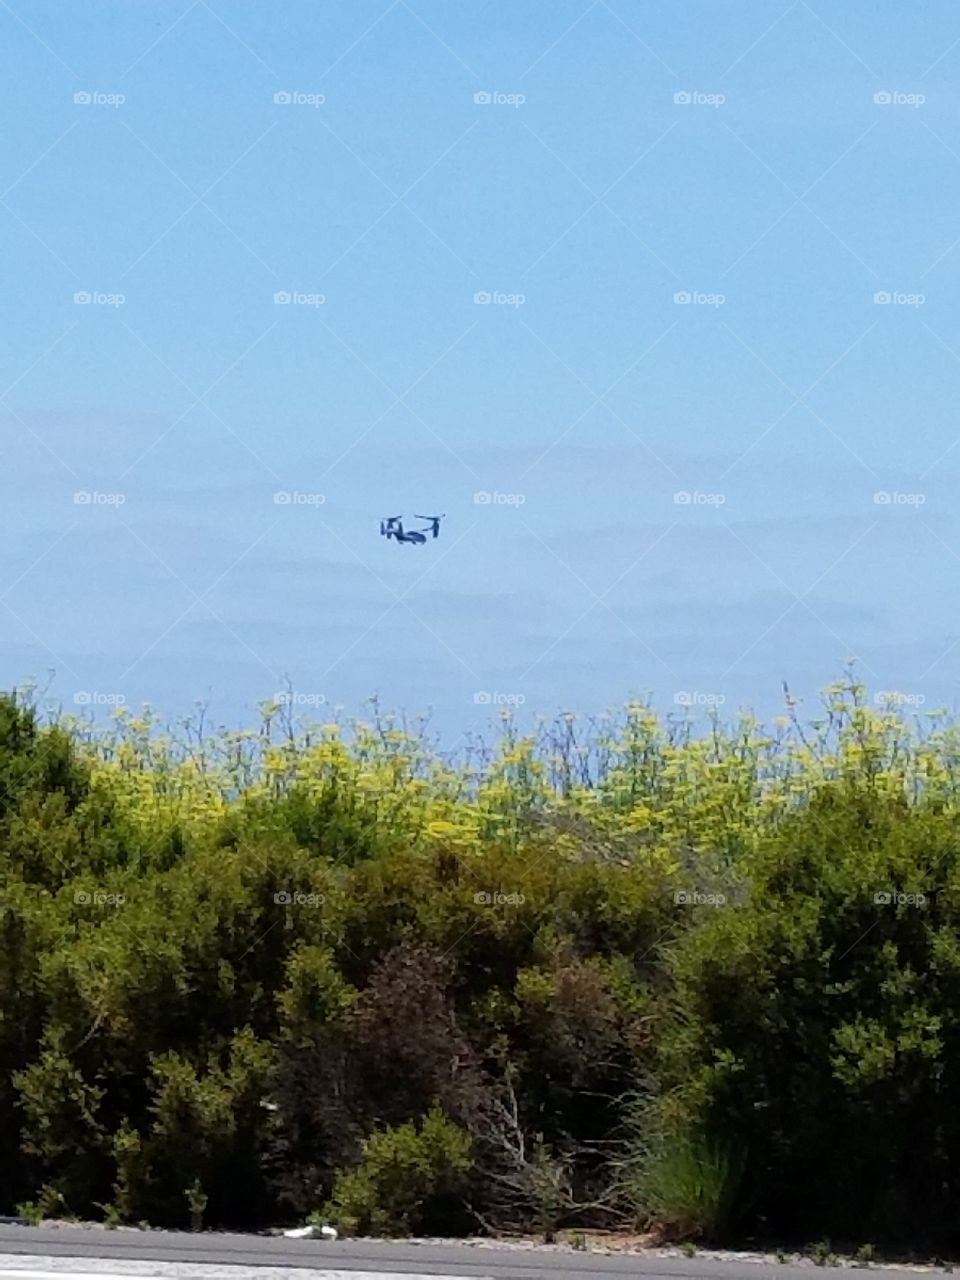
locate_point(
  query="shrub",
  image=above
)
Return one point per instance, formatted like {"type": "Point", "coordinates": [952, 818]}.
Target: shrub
{"type": "Point", "coordinates": [237, 971]}
{"type": "Point", "coordinates": [675, 1180]}
{"type": "Point", "coordinates": [407, 1181]}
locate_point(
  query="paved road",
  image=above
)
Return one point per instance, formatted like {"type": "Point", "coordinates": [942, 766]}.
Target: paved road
{"type": "Point", "coordinates": [90, 1246]}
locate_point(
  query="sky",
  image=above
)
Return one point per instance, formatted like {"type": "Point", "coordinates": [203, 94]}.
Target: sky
{"type": "Point", "coordinates": [656, 303]}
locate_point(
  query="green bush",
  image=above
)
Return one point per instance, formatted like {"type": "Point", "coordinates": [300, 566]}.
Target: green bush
{"type": "Point", "coordinates": [407, 1181]}
{"type": "Point", "coordinates": [246, 974]}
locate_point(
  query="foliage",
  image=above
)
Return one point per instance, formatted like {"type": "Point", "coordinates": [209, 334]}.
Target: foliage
{"type": "Point", "coordinates": [406, 1181]}
{"type": "Point", "coordinates": [681, 1183]}
{"type": "Point", "coordinates": [244, 975]}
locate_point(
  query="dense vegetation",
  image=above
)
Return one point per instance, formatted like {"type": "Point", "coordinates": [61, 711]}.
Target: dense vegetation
{"type": "Point", "coordinates": [611, 974]}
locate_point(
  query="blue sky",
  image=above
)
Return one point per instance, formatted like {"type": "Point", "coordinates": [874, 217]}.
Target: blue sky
{"type": "Point", "coordinates": [778, 164]}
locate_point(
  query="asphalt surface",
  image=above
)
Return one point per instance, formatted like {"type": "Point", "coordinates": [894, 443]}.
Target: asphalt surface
{"type": "Point", "coordinates": [373, 1257]}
